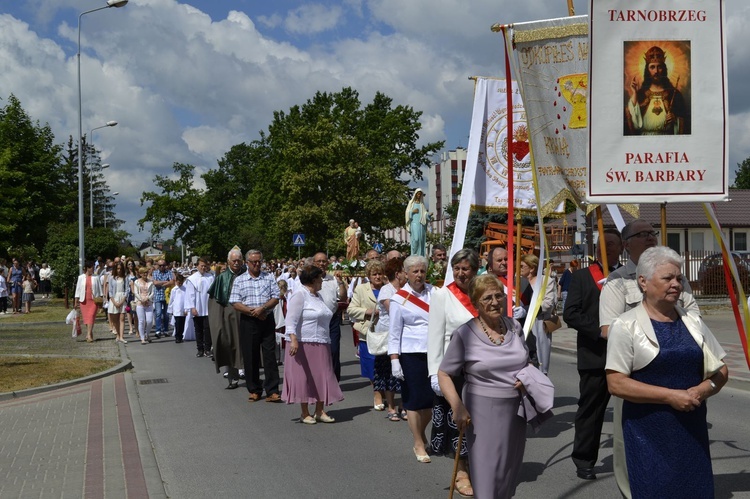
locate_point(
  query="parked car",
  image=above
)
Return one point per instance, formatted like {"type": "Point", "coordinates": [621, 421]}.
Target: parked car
{"type": "Point", "coordinates": [711, 278]}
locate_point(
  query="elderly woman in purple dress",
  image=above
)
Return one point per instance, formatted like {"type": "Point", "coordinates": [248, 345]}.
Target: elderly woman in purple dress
{"type": "Point", "coordinates": [490, 350]}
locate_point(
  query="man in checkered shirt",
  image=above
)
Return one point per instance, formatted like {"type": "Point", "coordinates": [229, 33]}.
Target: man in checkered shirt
{"type": "Point", "coordinates": [254, 295]}
{"type": "Point", "coordinates": [163, 279]}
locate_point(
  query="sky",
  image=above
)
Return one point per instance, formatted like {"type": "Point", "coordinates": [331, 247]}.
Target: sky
{"type": "Point", "coordinates": [187, 80]}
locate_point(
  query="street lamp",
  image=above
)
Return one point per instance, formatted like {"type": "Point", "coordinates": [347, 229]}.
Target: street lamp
{"type": "Point", "coordinates": [81, 220]}
{"type": "Point", "coordinates": [91, 138]}
{"type": "Point", "coordinates": [91, 194]}
{"type": "Point", "coordinates": [106, 211]}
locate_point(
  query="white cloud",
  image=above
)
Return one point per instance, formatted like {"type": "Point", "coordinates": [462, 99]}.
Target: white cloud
{"type": "Point", "coordinates": [312, 18]}
{"type": "Point", "coordinates": [185, 85]}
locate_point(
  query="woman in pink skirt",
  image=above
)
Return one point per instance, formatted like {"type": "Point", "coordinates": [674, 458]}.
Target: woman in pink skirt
{"type": "Point", "coordinates": [308, 370]}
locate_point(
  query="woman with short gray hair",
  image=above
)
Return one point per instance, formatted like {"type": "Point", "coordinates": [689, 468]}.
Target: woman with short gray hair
{"type": "Point", "coordinates": [451, 308]}
{"type": "Point", "coordinates": [407, 347]}
{"type": "Point", "coordinates": [664, 363]}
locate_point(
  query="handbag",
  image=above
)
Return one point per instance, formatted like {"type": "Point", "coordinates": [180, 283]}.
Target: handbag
{"type": "Point", "coordinates": [377, 342]}
{"type": "Point", "coordinates": [552, 324]}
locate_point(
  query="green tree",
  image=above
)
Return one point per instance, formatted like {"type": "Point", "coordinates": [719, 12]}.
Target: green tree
{"type": "Point", "coordinates": [742, 179]}
{"type": "Point", "coordinates": [30, 178]}
{"type": "Point", "coordinates": [61, 251]}
{"type": "Point", "coordinates": [318, 165]}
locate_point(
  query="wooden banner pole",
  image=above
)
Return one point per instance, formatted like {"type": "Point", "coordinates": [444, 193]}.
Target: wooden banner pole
{"type": "Point", "coordinates": [602, 241]}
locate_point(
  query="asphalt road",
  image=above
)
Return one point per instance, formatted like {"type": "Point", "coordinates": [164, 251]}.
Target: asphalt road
{"type": "Point", "coordinates": [210, 442]}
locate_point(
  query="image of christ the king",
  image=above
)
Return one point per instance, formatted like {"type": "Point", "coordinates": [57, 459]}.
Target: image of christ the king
{"type": "Point", "coordinates": [657, 87]}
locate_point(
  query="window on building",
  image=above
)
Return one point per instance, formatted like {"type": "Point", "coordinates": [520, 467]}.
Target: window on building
{"type": "Point", "coordinates": [740, 241]}
{"type": "Point", "coordinates": [673, 241]}
{"type": "Point", "coordinates": [697, 241]}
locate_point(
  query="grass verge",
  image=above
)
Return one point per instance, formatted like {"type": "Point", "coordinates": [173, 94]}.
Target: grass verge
{"type": "Point", "coordinates": [20, 373]}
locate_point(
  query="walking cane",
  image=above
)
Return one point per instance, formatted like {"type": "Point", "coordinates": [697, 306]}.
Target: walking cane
{"type": "Point", "coordinates": [455, 462]}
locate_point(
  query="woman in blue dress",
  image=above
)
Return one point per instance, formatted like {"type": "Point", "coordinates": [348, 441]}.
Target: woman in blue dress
{"type": "Point", "coordinates": [664, 363]}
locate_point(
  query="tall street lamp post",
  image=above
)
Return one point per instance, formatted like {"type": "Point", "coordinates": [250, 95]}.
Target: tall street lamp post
{"type": "Point", "coordinates": [81, 219]}
{"type": "Point", "coordinates": [91, 171]}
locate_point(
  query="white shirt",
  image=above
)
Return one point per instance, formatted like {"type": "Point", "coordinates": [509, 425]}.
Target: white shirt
{"type": "Point", "coordinates": [408, 329]}
{"type": "Point", "coordinates": [177, 301]}
{"type": "Point", "coordinates": [308, 318]}
{"type": "Point", "coordinates": [384, 319]}
{"type": "Point", "coordinates": [329, 293]}
{"type": "Point", "coordinates": [196, 295]}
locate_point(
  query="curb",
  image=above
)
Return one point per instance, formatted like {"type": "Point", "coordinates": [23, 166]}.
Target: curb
{"type": "Point", "coordinates": [124, 365]}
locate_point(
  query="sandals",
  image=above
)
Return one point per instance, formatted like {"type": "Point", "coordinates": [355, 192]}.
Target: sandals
{"type": "Point", "coordinates": [463, 485]}
{"type": "Point", "coordinates": [422, 458]}
{"type": "Point", "coordinates": [378, 407]}
{"type": "Point", "coordinates": [393, 416]}
{"type": "Point", "coordinates": [324, 418]}
{"type": "Point", "coordinates": [403, 415]}
{"type": "Point", "coordinates": [253, 397]}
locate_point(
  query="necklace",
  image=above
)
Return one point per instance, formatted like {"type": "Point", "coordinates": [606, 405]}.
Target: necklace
{"type": "Point", "coordinates": [498, 341]}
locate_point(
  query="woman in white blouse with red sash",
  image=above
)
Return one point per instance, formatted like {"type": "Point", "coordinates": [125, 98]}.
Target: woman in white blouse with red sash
{"type": "Point", "coordinates": [450, 309]}
{"type": "Point", "coordinates": [407, 347]}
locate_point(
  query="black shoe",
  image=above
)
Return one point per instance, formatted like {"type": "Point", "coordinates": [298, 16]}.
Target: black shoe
{"type": "Point", "coordinates": [199, 354]}
{"type": "Point", "coordinates": [178, 340]}
{"type": "Point", "coordinates": [586, 473]}
{"type": "Point", "coordinates": [233, 384]}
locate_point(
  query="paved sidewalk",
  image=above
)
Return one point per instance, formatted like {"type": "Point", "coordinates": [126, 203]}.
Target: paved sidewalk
{"type": "Point", "coordinates": [87, 440]}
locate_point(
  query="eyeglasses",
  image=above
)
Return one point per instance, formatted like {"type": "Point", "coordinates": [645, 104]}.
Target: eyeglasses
{"type": "Point", "coordinates": [644, 234]}
{"type": "Point", "coordinates": [253, 262]}
{"type": "Point", "coordinates": [236, 261]}
{"type": "Point", "coordinates": [487, 300]}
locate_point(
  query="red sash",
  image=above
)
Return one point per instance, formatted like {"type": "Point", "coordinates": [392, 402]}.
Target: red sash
{"type": "Point", "coordinates": [504, 280]}
{"type": "Point", "coordinates": [597, 274]}
{"type": "Point", "coordinates": [463, 298]}
{"type": "Point", "coordinates": [413, 300]}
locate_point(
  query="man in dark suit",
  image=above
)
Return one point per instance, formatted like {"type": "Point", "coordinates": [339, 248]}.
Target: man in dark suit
{"type": "Point", "coordinates": [582, 314]}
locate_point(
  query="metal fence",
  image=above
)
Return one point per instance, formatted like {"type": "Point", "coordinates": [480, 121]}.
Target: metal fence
{"type": "Point", "coordinates": [705, 272]}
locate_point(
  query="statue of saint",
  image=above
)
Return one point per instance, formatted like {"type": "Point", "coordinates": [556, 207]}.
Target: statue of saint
{"type": "Point", "coordinates": [351, 238]}
{"type": "Point", "coordinates": [416, 223]}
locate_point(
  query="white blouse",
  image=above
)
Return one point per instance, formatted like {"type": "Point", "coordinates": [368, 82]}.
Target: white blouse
{"type": "Point", "coordinates": [308, 317]}
{"type": "Point", "coordinates": [408, 329]}
{"type": "Point", "coordinates": [384, 320]}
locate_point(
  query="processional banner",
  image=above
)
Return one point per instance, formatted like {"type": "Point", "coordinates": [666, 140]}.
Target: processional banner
{"type": "Point", "coordinates": [486, 176]}
{"type": "Point", "coordinates": [550, 62]}
{"type": "Point", "coordinates": [657, 102]}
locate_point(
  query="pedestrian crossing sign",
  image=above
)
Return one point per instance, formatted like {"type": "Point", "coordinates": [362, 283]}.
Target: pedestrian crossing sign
{"type": "Point", "coordinates": [298, 240]}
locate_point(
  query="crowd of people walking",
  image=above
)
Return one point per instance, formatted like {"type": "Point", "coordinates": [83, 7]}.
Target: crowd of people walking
{"type": "Point", "coordinates": [459, 357]}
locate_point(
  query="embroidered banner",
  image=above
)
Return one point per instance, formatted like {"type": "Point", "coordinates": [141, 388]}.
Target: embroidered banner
{"type": "Point", "coordinates": [550, 62]}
